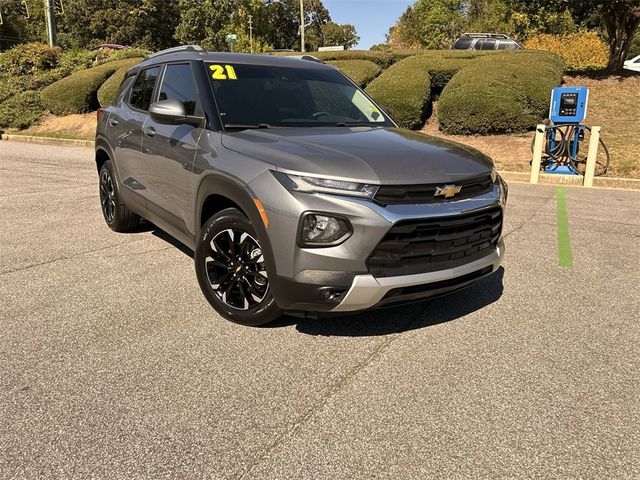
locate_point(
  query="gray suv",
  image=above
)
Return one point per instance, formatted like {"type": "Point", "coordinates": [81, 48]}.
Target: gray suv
{"type": "Point", "coordinates": [295, 190]}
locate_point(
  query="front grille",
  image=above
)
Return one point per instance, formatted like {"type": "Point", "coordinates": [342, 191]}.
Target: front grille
{"type": "Point", "coordinates": [407, 194]}
{"type": "Point", "coordinates": [427, 245]}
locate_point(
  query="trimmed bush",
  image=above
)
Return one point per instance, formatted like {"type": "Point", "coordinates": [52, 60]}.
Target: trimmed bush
{"type": "Point", "coordinates": [77, 93]}
{"type": "Point", "coordinates": [21, 110]}
{"type": "Point", "coordinates": [360, 71]}
{"type": "Point", "coordinates": [384, 59]}
{"type": "Point", "coordinates": [108, 90]}
{"type": "Point", "coordinates": [9, 88]}
{"type": "Point", "coordinates": [500, 93]}
{"type": "Point", "coordinates": [124, 54]}
{"type": "Point", "coordinates": [76, 59]}
{"type": "Point", "coordinates": [404, 88]}
{"type": "Point", "coordinates": [581, 51]}
{"type": "Point", "coordinates": [29, 58]}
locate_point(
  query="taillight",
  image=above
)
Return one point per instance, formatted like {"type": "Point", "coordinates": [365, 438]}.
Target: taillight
{"type": "Point", "coordinates": [99, 113]}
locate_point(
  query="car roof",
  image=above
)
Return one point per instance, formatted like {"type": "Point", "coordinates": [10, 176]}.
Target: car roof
{"type": "Point", "coordinates": [189, 53]}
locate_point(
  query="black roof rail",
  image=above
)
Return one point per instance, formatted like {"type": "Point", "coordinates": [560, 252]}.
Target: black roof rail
{"type": "Point", "coordinates": [485, 35]}
{"type": "Point", "coordinates": [181, 48]}
{"type": "Point", "coordinates": [309, 58]}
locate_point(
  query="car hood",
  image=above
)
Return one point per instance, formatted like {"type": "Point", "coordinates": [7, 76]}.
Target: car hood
{"type": "Point", "coordinates": [366, 154]}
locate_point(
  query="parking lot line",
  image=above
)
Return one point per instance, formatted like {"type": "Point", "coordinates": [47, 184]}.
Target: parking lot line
{"type": "Point", "coordinates": [565, 257]}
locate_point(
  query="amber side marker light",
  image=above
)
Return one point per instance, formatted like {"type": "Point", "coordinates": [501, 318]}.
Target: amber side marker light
{"type": "Point", "coordinates": [262, 211]}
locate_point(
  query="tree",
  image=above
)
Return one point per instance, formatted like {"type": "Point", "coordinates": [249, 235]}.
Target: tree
{"type": "Point", "coordinates": [141, 23]}
{"type": "Point", "coordinates": [335, 34]}
{"type": "Point", "coordinates": [621, 19]}
{"type": "Point", "coordinates": [618, 19]}
{"type": "Point", "coordinates": [203, 22]}
{"type": "Point", "coordinates": [428, 24]}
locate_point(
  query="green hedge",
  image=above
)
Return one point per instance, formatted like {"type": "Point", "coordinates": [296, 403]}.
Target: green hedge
{"type": "Point", "coordinates": [109, 88]}
{"type": "Point", "coordinates": [384, 59]}
{"type": "Point", "coordinates": [21, 110]}
{"type": "Point", "coordinates": [500, 93]}
{"type": "Point", "coordinates": [77, 93]}
{"type": "Point", "coordinates": [360, 71]}
{"type": "Point", "coordinates": [404, 89]}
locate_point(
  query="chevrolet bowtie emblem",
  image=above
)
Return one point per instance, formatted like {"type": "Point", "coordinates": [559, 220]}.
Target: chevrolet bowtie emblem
{"type": "Point", "coordinates": [447, 191]}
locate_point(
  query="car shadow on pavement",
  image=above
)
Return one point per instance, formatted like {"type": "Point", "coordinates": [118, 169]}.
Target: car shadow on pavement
{"type": "Point", "coordinates": [383, 321]}
{"type": "Point", "coordinates": [162, 235]}
{"type": "Point", "coordinates": [387, 321]}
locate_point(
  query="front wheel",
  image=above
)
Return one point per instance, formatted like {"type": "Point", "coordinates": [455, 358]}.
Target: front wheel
{"type": "Point", "coordinates": [231, 270]}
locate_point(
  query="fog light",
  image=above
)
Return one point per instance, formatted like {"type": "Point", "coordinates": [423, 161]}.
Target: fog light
{"type": "Point", "coordinates": [323, 230]}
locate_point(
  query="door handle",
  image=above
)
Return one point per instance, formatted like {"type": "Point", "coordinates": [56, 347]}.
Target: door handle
{"type": "Point", "coordinates": [149, 131]}
{"type": "Point", "coordinates": [113, 122]}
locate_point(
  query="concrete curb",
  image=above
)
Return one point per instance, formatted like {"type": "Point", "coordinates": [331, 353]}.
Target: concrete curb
{"type": "Point", "coordinates": [573, 180]}
{"type": "Point", "coordinates": [67, 142]}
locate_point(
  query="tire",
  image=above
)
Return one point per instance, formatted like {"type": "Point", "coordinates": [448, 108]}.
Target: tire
{"type": "Point", "coordinates": [231, 270]}
{"type": "Point", "coordinates": [118, 217]}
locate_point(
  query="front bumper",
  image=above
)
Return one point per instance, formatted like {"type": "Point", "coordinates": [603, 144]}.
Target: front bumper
{"type": "Point", "coordinates": [302, 276]}
{"type": "Point", "coordinates": [368, 291]}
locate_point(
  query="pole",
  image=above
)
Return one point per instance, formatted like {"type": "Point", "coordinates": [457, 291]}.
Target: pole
{"type": "Point", "coordinates": [50, 14]}
{"type": "Point", "coordinates": [590, 168]}
{"type": "Point", "coordinates": [537, 153]}
{"type": "Point", "coordinates": [302, 26]}
{"type": "Point", "coordinates": [251, 33]}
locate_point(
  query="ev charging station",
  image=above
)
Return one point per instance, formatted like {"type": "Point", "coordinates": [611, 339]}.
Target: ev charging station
{"type": "Point", "coordinates": [568, 105]}
{"type": "Point", "coordinates": [560, 147]}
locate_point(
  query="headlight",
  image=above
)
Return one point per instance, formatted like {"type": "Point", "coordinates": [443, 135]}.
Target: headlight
{"type": "Point", "coordinates": [299, 183]}
{"type": "Point", "coordinates": [323, 230]}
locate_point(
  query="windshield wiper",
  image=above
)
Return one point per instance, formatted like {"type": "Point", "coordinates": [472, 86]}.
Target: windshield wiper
{"type": "Point", "coordinates": [354, 124]}
{"type": "Point", "coordinates": [245, 126]}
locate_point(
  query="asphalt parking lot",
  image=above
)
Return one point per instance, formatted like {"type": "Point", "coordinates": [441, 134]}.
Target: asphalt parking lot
{"type": "Point", "coordinates": [113, 365]}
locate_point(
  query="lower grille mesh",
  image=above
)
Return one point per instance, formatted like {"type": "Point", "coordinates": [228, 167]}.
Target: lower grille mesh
{"type": "Point", "coordinates": [425, 245]}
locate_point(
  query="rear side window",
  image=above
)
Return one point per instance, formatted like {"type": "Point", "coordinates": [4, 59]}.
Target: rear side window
{"type": "Point", "coordinates": [178, 84]}
{"type": "Point", "coordinates": [486, 44]}
{"type": "Point", "coordinates": [463, 43]}
{"type": "Point", "coordinates": [507, 45]}
{"type": "Point", "coordinates": [142, 89]}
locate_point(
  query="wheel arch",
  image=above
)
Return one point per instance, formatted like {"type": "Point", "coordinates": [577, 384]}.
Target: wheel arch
{"type": "Point", "coordinates": [216, 193]}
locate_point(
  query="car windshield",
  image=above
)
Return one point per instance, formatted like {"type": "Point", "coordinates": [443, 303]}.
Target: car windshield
{"type": "Point", "coordinates": [259, 96]}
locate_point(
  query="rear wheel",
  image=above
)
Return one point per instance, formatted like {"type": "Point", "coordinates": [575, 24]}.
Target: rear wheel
{"type": "Point", "coordinates": [231, 270]}
{"type": "Point", "coordinates": [118, 217]}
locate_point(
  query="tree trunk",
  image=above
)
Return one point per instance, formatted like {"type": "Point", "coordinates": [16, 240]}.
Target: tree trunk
{"type": "Point", "coordinates": [621, 22]}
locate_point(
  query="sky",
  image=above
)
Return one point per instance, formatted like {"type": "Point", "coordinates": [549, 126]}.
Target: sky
{"type": "Point", "coordinates": [372, 18]}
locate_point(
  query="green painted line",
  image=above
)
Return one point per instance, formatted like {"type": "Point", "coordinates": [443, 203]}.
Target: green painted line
{"type": "Point", "coordinates": [565, 257]}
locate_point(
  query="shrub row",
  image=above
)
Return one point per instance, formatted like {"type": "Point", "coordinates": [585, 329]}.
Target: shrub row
{"type": "Point", "coordinates": [404, 89]}
{"type": "Point", "coordinates": [77, 93]}
{"type": "Point", "coordinates": [360, 71]}
{"type": "Point", "coordinates": [108, 90]}
{"type": "Point", "coordinates": [581, 51]}
{"type": "Point", "coordinates": [29, 58]}
{"type": "Point", "coordinates": [500, 93]}
{"type": "Point", "coordinates": [21, 110]}
{"type": "Point", "coordinates": [383, 59]}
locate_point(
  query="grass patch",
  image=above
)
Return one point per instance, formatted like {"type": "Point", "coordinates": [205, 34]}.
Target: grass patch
{"type": "Point", "coordinates": [54, 134]}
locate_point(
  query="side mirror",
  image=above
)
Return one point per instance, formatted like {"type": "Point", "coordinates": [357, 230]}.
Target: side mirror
{"type": "Point", "coordinates": [172, 111]}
